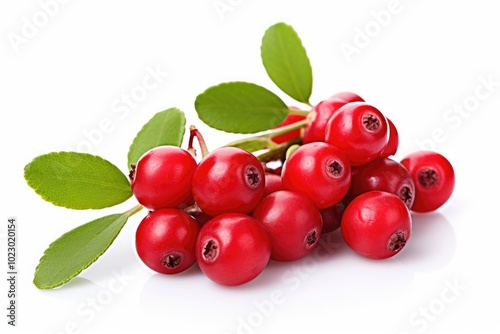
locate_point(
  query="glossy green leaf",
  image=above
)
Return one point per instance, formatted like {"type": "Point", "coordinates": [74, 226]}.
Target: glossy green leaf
{"type": "Point", "coordinates": [286, 61]}
{"type": "Point", "coordinates": [165, 128]}
{"type": "Point", "coordinates": [77, 180]}
{"type": "Point", "coordinates": [76, 250]}
{"type": "Point", "coordinates": [240, 107]}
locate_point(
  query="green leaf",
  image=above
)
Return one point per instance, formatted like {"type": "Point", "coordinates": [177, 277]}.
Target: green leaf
{"type": "Point", "coordinates": [286, 61]}
{"type": "Point", "coordinates": [77, 180]}
{"type": "Point", "coordinates": [253, 144]}
{"type": "Point", "coordinates": [240, 107]}
{"type": "Point", "coordinates": [165, 128]}
{"type": "Point", "coordinates": [76, 250]}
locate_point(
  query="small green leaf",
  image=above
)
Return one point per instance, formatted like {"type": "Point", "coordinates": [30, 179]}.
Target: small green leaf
{"type": "Point", "coordinates": [165, 128]}
{"type": "Point", "coordinates": [240, 107]}
{"type": "Point", "coordinates": [77, 180]}
{"type": "Point", "coordinates": [76, 250]}
{"type": "Point", "coordinates": [286, 61]}
{"type": "Point", "coordinates": [253, 144]}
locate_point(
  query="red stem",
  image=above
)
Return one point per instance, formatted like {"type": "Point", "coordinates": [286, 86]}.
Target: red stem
{"type": "Point", "coordinates": [194, 132]}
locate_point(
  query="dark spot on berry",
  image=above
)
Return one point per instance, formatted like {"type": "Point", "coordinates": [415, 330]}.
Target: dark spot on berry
{"type": "Point", "coordinates": [172, 260]}
{"type": "Point", "coordinates": [210, 250]}
{"type": "Point", "coordinates": [371, 122]}
{"type": "Point", "coordinates": [311, 238]}
{"type": "Point", "coordinates": [252, 176]}
{"type": "Point", "coordinates": [131, 174]}
{"type": "Point", "coordinates": [406, 195]}
{"type": "Point", "coordinates": [428, 177]}
{"type": "Point", "coordinates": [396, 241]}
{"type": "Point", "coordinates": [334, 168]}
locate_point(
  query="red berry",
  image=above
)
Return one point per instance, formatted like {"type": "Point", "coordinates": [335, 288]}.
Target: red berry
{"type": "Point", "coordinates": [434, 179]}
{"type": "Point", "coordinates": [318, 118]}
{"type": "Point", "coordinates": [382, 174]}
{"type": "Point", "coordinates": [290, 119]}
{"type": "Point", "coordinates": [376, 225]}
{"type": "Point", "coordinates": [228, 179]}
{"type": "Point", "coordinates": [165, 240]}
{"type": "Point", "coordinates": [332, 217]}
{"type": "Point", "coordinates": [320, 171]}
{"type": "Point", "coordinates": [359, 130]}
{"type": "Point", "coordinates": [273, 183]}
{"type": "Point", "coordinates": [293, 222]}
{"type": "Point", "coordinates": [232, 249]}
{"type": "Point", "coordinates": [392, 144]}
{"type": "Point", "coordinates": [348, 97]}
{"type": "Point", "coordinates": [162, 178]}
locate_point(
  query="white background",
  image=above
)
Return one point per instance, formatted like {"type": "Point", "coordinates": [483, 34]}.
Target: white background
{"type": "Point", "coordinates": [418, 66]}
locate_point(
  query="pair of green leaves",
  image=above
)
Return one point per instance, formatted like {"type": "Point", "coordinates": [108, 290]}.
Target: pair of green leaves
{"type": "Point", "coordinates": [84, 181]}
{"type": "Point", "coordinates": [242, 107]}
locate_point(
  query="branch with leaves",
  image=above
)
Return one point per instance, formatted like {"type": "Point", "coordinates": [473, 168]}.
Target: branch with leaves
{"type": "Point", "coordinates": [82, 181]}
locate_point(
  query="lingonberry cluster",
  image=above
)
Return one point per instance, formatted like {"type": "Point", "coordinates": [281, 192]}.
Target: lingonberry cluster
{"type": "Point", "coordinates": [231, 213]}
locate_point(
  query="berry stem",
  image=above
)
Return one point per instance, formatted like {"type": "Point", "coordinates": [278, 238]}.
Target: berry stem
{"type": "Point", "coordinates": [194, 132]}
{"type": "Point", "coordinates": [133, 210]}
{"type": "Point", "coordinates": [279, 152]}
{"type": "Point", "coordinates": [284, 129]}
{"type": "Point", "coordinates": [266, 136]}
{"type": "Point", "coordinates": [298, 112]}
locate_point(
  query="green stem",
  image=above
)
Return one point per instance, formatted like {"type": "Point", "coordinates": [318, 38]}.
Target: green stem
{"type": "Point", "coordinates": [298, 112]}
{"type": "Point", "coordinates": [283, 129]}
{"type": "Point", "coordinates": [267, 135]}
{"type": "Point", "coordinates": [264, 141]}
{"type": "Point", "coordinates": [133, 211]}
{"type": "Point", "coordinates": [279, 152]}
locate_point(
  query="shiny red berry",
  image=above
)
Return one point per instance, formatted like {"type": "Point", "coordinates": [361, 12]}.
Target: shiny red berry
{"type": "Point", "coordinates": [376, 225]}
{"type": "Point", "coordinates": [273, 183]}
{"type": "Point", "coordinates": [348, 97]}
{"type": "Point", "coordinates": [293, 222]}
{"type": "Point", "coordinates": [359, 130]}
{"type": "Point", "coordinates": [232, 249]}
{"type": "Point", "coordinates": [165, 240]}
{"type": "Point", "coordinates": [228, 179]}
{"type": "Point", "coordinates": [318, 118]}
{"type": "Point", "coordinates": [434, 179]}
{"type": "Point", "coordinates": [320, 171]}
{"type": "Point", "coordinates": [162, 178]}
{"type": "Point", "coordinates": [383, 174]}
{"type": "Point", "coordinates": [392, 144]}
{"type": "Point", "coordinates": [332, 217]}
